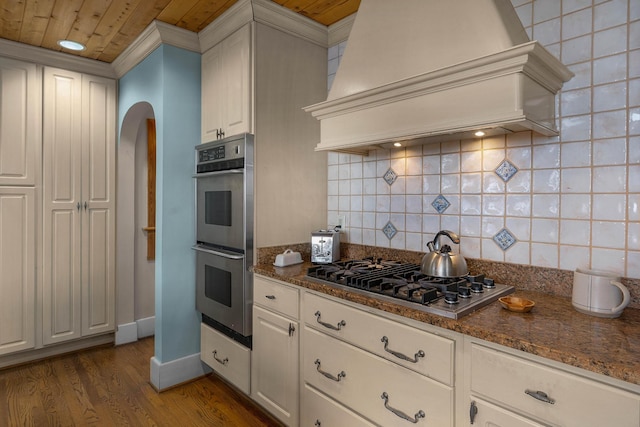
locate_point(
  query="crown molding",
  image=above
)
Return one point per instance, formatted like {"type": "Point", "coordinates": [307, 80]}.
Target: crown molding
{"type": "Point", "coordinates": [154, 35]}
{"type": "Point", "coordinates": [340, 31]}
{"type": "Point", "coordinates": [38, 55]}
{"type": "Point", "coordinates": [271, 13]}
{"type": "Point", "coordinates": [265, 12]}
{"type": "Point", "coordinates": [231, 20]}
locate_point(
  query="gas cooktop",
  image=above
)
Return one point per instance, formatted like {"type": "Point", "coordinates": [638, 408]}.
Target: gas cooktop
{"type": "Point", "coordinates": [404, 284]}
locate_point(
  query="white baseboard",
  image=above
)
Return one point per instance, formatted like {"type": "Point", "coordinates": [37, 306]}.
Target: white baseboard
{"type": "Point", "coordinates": [146, 327]}
{"type": "Point", "coordinates": [130, 332]}
{"type": "Point", "coordinates": [165, 375]}
{"type": "Point", "coordinates": [127, 333]}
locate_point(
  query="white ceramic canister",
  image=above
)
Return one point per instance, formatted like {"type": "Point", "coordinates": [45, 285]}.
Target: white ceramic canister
{"type": "Point", "coordinates": [599, 293]}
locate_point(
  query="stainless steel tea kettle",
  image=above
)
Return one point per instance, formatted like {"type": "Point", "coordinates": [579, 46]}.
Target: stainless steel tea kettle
{"type": "Point", "coordinates": [440, 261]}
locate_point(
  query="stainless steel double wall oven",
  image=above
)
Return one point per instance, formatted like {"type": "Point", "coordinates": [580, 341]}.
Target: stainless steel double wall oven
{"type": "Point", "coordinates": [224, 248]}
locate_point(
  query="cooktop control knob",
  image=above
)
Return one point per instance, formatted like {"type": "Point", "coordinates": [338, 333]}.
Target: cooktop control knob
{"type": "Point", "coordinates": [451, 297]}
{"type": "Point", "coordinates": [476, 287]}
{"type": "Point", "coordinates": [489, 283]}
{"type": "Point", "coordinates": [464, 292]}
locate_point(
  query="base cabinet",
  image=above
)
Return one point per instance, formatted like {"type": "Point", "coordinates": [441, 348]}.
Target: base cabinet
{"type": "Point", "coordinates": [275, 356]}
{"type": "Point", "coordinates": [227, 358]}
{"type": "Point", "coordinates": [541, 392]}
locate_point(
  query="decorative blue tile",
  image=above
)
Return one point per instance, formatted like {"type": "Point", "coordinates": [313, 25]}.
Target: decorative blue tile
{"type": "Point", "coordinates": [504, 239]}
{"type": "Point", "coordinates": [389, 230]}
{"type": "Point", "coordinates": [506, 170]}
{"type": "Point", "coordinates": [390, 177]}
{"type": "Point", "coordinates": [440, 204]}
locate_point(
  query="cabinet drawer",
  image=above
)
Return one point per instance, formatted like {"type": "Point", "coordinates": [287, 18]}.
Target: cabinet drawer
{"type": "Point", "coordinates": [322, 411]}
{"type": "Point", "coordinates": [430, 354]}
{"type": "Point", "coordinates": [359, 380]}
{"type": "Point", "coordinates": [226, 357]}
{"type": "Point", "coordinates": [275, 296]}
{"type": "Point", "coordinates": [504, 378]}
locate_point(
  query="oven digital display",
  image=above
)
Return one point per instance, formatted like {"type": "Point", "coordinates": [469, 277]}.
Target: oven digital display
{"type": "Point", "coordinates": [215, 153]}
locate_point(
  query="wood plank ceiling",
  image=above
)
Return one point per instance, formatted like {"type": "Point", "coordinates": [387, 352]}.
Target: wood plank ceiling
{"type": "Point", "coordinates": [107, 27]}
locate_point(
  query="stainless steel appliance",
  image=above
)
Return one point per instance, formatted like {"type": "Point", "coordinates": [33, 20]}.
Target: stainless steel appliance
{"type": "Point", "coordinates": [325, 246]}
{"type": "Point", "coordinates": [406, 285]}
{"type": "Point", "coordinates": [224, 233]}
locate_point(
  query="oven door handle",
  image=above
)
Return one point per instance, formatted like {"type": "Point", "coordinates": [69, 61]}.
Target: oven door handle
{"type": "Point", "coordinates": [218, 173]}
{"type": "Point", "coordinates": [228, 255]}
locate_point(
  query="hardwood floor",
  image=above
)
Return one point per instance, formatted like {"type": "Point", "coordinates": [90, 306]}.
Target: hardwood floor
{"type": "Point", "coordinates": [109, 386]}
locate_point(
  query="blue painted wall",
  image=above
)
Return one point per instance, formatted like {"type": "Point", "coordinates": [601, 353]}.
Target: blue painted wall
{"type": "Point", "coordinates": [169, 80]}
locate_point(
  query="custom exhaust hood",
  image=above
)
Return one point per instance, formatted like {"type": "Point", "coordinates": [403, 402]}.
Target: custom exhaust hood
{"type": "Point", "coordinates": [430, 70]}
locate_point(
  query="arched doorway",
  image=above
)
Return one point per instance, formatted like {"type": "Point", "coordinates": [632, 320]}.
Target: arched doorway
{"type": "Point", "coordinates": [135, 277]}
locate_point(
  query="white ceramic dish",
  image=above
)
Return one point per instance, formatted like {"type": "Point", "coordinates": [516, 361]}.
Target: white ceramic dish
{"type": "Point", "coordinates": [287, 258]}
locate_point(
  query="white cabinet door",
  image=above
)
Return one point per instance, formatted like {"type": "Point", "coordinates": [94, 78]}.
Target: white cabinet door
{"type": "Point", "coordinates": [226, 87]}
{"type": "Point", "coordinates": [488, 415]}
{"type": "Point", "coordinates": [275, 364]}
{"type": "Point", "coordinates": [78, 205]}
{"type": "Point", "coordinates": [17, 269]}
{"type": "Point", "coordinates": [62, 205]}
{"type": "Point", "coordinates": [212, 93]}
{"type": "Point", "coordinates": [19, 122]}
{"type": "Point", "coordinates": [98, 195]}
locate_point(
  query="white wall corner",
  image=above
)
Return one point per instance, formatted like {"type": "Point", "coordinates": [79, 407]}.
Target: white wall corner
{"type": "Point", "coordinates": [340, 31]}
{"type": "Point", "coordinates": [146, 327]}
{"type": "Point", "coordinates": [126, 333]}
{"type": "Point", "coordinates": [154, 35]}
{"type": "Point", "coordinates": [169, 374]}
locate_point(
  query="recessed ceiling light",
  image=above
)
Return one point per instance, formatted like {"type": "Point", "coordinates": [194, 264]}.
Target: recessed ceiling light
{"type": "Point", "coordinates": [479, 133]}
{"type": "Point", "coordinates": [397, 144]}
{"type": "Point", "coordinates": [71, 45]}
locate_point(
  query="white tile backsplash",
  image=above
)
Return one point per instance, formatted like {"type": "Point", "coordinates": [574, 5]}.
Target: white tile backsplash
{"type": "Point", "coordinates": [574, 201]}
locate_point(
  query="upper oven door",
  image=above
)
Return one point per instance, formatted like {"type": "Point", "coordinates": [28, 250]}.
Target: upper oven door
{"type": "Point", "coordinates": [220, 205]}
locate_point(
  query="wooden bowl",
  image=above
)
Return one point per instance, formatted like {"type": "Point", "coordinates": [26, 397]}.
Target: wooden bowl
{"type": "Point", "coordinates": [519, 305]}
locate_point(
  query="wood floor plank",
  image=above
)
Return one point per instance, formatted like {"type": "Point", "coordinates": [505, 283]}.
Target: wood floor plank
{"type": "Point", "coordinates": [109, 386]}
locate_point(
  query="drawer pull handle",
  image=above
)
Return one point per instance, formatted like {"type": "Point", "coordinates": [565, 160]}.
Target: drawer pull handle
{"type": "Point", "coordinates": [270, 297]}
{"type": "Point", "coordinates": [541, 396]}
{"type": "Point", "coordinates": [414, 420]}
{"type": "Point", "coordinates": [399, 355]}
{"type": "Point", "coordinates": [337, 379]}
{"type": "Point", "coordinates": [221, 361]}
{"type": "Point", "coordinates": [292, 329]}
{"type": "Point", "coordinates": [328, 325]}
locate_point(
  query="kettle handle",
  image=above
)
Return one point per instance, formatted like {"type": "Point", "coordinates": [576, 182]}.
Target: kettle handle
{"type": "Point", "coordinates": [435, 244]}
{"type": "Point", "coordinates": [626, 298]}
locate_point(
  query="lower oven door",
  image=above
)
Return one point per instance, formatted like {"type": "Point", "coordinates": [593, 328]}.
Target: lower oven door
{"type": "Point", "coordinates": [224, 291]}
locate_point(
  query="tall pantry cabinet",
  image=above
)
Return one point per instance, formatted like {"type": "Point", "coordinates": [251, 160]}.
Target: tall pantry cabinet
{"type": "Point", "coordinates": [57, 216]}
{"type": "Point", "coordinates": [78, 205]}
{"type": "Point", "coordinates": [19, 152]}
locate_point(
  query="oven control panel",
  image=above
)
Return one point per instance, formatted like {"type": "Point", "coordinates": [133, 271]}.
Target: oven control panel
{"type": "Point", "coordinates": [229, 153]}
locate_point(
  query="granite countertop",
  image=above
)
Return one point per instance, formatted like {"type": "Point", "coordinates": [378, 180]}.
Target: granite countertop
{"type": "Point", "coordinates": [552, 329]}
